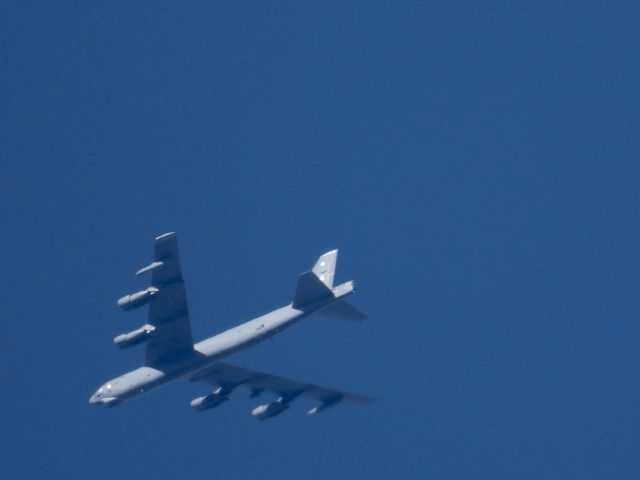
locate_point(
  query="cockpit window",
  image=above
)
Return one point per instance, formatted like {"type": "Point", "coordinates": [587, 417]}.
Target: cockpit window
{"type": "Point", "coordinates": [109, 387]}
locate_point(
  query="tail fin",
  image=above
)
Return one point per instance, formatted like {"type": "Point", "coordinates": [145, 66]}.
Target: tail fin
{"type": "Point", "coordinates": [310, 289]}
{"type": "Point", "coordinates": [325, 267]}
{"type": "Point", "coordinates": [317, 284]}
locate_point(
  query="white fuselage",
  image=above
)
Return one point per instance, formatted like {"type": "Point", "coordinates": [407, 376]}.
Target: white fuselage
{"type": "Point", "coordinates": [205, 353]}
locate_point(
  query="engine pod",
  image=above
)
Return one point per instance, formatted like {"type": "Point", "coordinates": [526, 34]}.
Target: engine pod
{"type": "Point", "coordinates": [208, 401]}
{"type": "Point", "coordinates": [268, 410]}
{"type": "Point", "coordinates": [135, 337]}
{"type": "Point", "coordinates": [138, 299]}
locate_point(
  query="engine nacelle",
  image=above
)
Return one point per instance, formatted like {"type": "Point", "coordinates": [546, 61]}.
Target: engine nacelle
{"type": "Point", "coordinates": [208, 401]}
{"type": "Point", "coordinates": [268, 410]}
{"type": "Point", "coordinates": [324, 405]}
{"type": "Point", "coordinates": [136, 337]}
{"type": "Point", "coordinates": [138, 299]}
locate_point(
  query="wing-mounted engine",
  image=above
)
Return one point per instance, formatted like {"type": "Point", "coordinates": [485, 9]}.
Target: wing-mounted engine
{"type": "Point", "coordinates": [268, 410]}
{"type": "Point", "coordinates": [218, 397]}
{"type": "Point", "coordinates": [329, 402]}
{"type": "Point", "coordinates": [138, 299]}
{"type": "Point", "coordinates": [135, 337]}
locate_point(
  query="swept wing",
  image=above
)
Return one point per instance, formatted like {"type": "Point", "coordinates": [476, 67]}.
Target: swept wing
{"type": "Point", "coordinates": [168, 312]}
{"type": "Point", "coordinates": [229, 377]}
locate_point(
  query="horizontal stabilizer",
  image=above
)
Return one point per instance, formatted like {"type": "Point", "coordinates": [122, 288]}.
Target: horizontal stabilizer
{"type": "Point", "coordinates": [343, 311]}
{"type": "Point", "coordinates": [310, 289]}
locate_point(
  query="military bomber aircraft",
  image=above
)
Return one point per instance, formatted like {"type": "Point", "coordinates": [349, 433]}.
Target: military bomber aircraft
{"type": "Point", "coordinates": [171, 354]}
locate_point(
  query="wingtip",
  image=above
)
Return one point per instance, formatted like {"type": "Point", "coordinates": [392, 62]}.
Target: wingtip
{"type": "Point", "coordinates": [166, 236]}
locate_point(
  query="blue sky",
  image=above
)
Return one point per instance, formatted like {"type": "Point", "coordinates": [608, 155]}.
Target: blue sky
{"type": "Point", "coordinates": [476, 164]}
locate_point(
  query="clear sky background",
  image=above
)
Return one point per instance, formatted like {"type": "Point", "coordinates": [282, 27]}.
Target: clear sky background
{"type": "Point", "coordinates": [476, 164]}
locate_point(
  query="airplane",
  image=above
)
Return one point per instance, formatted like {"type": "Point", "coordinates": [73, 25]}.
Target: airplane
{"type": "Point", "coordinates": [170, 353]}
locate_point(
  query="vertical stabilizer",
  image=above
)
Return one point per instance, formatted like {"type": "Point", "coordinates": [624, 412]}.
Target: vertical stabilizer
{"type": "Point", "coordinates": [310, 290]}
{"type": "Point", "coordinates": [325, 267]}
{"type": "Point", "coordinates": [316, 285]}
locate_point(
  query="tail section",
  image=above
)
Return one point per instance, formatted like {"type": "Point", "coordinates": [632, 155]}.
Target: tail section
{"type": "Point", "coordinates": [325, 267]}
{"type": "Point", "coordinates": [316, 286]}
{"type": "Point", "coordinates": [310, 290]}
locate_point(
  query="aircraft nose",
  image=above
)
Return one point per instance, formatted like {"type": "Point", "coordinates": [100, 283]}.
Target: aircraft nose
{"type": "Point", "coordinates": [93, 399]}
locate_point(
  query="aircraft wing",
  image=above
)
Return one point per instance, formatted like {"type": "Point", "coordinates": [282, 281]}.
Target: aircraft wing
{"type": "Point", "coordinates": [229, 377]}
{"type": "Point", "coordinates": [168, 312]}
